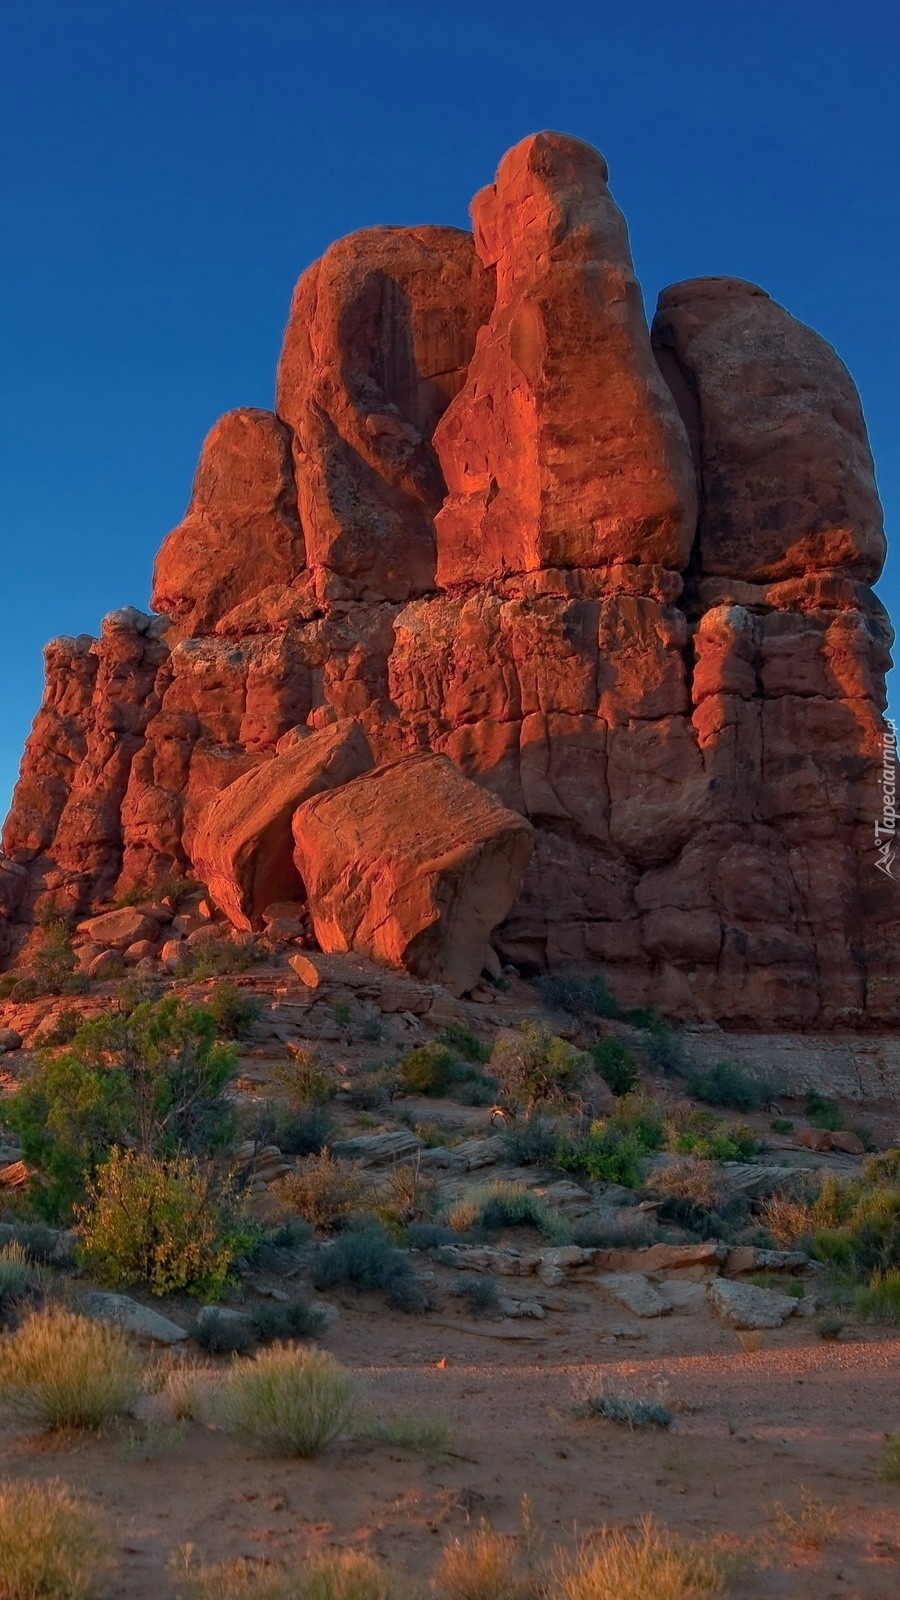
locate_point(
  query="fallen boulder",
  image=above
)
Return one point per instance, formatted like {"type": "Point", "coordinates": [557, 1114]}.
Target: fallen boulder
{"type": "Point", "coordinates": [412, 864]}
{"type": "Point", "coordinates": [133, 1317]}
{"type": "Point", "coordinates": [743, 1305]}
{"type": "Point", "coordinates": [243, 848]}
{"type": "Point", "coordinates": [116, 930]}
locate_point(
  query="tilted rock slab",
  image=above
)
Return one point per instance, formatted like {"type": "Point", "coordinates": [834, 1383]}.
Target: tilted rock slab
{"type": "Point", "coordinates": [412, 864]}
{"type": "Point", "coordinates": [243, 849]}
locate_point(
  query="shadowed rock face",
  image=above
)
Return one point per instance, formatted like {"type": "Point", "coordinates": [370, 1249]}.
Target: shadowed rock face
{"type": "Point", "coordinates": [624, 588]}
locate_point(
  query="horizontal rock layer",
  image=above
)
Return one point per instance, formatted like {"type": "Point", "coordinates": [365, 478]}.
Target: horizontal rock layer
{"type": "Point", "coordinates": [622, 584]}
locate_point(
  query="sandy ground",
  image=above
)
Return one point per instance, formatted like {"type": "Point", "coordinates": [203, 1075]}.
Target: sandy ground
{"type": "Point", "coordinates": [751, 1430]}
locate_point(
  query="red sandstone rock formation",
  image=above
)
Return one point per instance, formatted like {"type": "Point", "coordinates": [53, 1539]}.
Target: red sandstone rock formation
{"type": "Point", "coordinates": [414, 865]}
{"type": "Point", "coordinates": [472, 525]}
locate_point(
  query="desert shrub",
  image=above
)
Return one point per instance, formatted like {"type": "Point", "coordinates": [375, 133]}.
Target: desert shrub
{"type": "Point", "coordinates": [484, 1565]}
{"type": "Point", "coordinates": [184, 1386]}
{"type": "Point", "coordinates": [705, 1136]}
{"type": "Point", "coordinates": [288, 1401]}
{"type": "Point", "coordinates": [174, 886]}
{"type": "Point", "coordinates": [298, 1320]}
{"type": "Point", "coordinates": [585, 998]}
{"type": "Point", "coordinates": [663, 1047]}
{"type": "Point", "coordinates": [481, 1293]}
{"type": "Point", "coordinates": [166, 1224]}
{"type": "Point", "coordinates": [631, 1230]}
{"type": "Point", "coordinates": [302, 1080]}
{"type": "Point", "coordinates": [54, 960]}
{"type": "Point", "coordinates": [428, 1436]}
{"type": "Point", "coordinates": [464, 1043]}
{"type": "Point", "coordinates": [504, 1204]}
{"type": "Point", "coordinates": [430, 1069]}
{"type": "Point", "coordinates": [781, 1125]}
{"type": "Point", "coordinates": [53, 1546]}
{"type": "Point", "coordinates": [727, 1085]}
{"type": "Point", "coordinates": [219, 957]}
{"type": "Point", "coordinates": [856, 1227]}
{"type": "Point", "coordinates": [530, 1142]}
{"type": "Point", "coordinates": [275, 1249]}
{"type": "Point", "coordinates": [21, 1283]}
{"type": "Point", "coordinates": [65, 1371]}
{"type": "Point", "coordinates": [298, 1131]}
{"type": "Point", "coordinates": [366, 1258]}
{"type": "Point", "coordinates": [232, 1011]}
{"type": "Point", "coordinates": [691, 1192]}
{"type": "Point", "coordinates": [615, 1147]}
{"type": "Point", "coordinates": [406, 1194]}
{"type": "Point", "coordinates": [325, 1191]}
{"type": "Point", "coordinates": [815, 1524]}
{"type": "Point", "coordinates": [880, 1300]}
{"type": "Point", "coordinates": [220, 1333]}
{"type": "Point", "coordinates": [154, 1080]}
{"type": "Point", "coordinates": [39, 1242]}
{"type": "Point", "coordinates": [535, 1068]}
{"type": "Point", "coordinates": [429, 1236]}
{"type": "Point", "coordinates": [372, 1089]}
{"type": "Point", "coordinates": [621, 1405]}
{"type": "Point", "coordinates": [830, 1327]}
{"type": "Point", "coordinates": [637, 1564]}
{"type": "Point", "coordinates": [345, 1575]}
{"type": "Point", "coordinates": [615, 1064]}
{"type": "Point", "coordinates": [63, 1030]}
{"type": "Point", "coordinates": [824, 1113]}
{"type": "Point", "coordinates": [890, 1461]}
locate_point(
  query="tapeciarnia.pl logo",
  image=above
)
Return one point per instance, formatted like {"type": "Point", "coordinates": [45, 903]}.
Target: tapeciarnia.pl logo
{"type": "Point", "coordinates": [886, 829]}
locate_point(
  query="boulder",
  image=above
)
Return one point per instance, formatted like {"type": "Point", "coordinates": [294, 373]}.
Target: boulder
{"type": "Point", "coordinates": [108, 964]}
{"type": "Point", "coordinates": [743, 1305]}
{"type": "Point", "coordinates": [116, 930]}
{"type": "Point", "coordinates": [9, 1040]}
{"type": "Point", "coordinates": [243, 848]}
{"type": "Point", "coordinates": [412, 864]}
{"type": "Point", "coordinates": [635, 1292]}
{"type": "Point", "coordinates": [129, 1314]}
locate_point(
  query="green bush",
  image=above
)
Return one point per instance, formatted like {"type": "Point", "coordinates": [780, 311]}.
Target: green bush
{"type": "Point", "coordinates": [220, 1334]}
{"type": "Point", "coordinates": [823, 1113]}
{"type": "Point", "coordinates": [53, 1546]}
{"type": "Point", "coordinates": [298, 1320]}
{"type": "Point", "coordinates": [219, 957]}
{"type": "Point", "coordinates": [324, 1191]}
{"type": "Point", "coordinates": [663, 1047]}
{"type": "Point", "coordinates": [890, 1461]}
{"type": "Point", "coordinates": [531, 1142]}
{"type": "Point", "coordinates": [232, 1011]}
{"type": "Point", "coordinates": [535, 1068]}
{"type": "Point", "coordinates": [856, 1227]}
{"type": "Point", "coordinates": [481, 1293]}
{"type": "Point", "coordinates": [66, 1371]}
{"type": "Point", "coordinates": [54, 960]}
{"type": "Point", "coordinates": [504, 1204]}
{"type": "Point", "coordinates": [880, 1301]}
{"type": "Point", "coordinates": [288, 1401]}
{"type": "Point", "coordinates": [371, 1090]}
{"type": "Point", "coordinates": [614, 1148]}
{"type": "Point", "coordinates": [702, 1135]}
{"type": "Point", "coordinates": [302, 1081]}
{"type": "Point", "coordinates": [163, 1223]}
{"type": "Point", "coordinates": [727, 1085]}
{"type": "Point", "coordinates": [21, 1283]}
{"type": "Point", "coordinates": [154, 1080]}
{"type": "Point", "coordinates": [172, 887]}
{"type": "Point", "coordinates": [615, 1064]}
{"type": "Point", "coordinates": [585, 998]}
{"type": "Point", "coordinates": [301, 1131]}
{"type": "Point", "coordinates": [429, 1069]}
{"type": "Point", "coordinates": [365, 1257]}
{"type": "Point", "coordinates": [464, 1043]}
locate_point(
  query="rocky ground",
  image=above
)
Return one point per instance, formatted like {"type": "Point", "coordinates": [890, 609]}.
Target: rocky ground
{"type": "Point", "coordinates": [775, 1435]}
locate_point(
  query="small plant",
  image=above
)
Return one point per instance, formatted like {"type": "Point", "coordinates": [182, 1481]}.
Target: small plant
{"type": "Point", "coordinates": [614, 1148]}
{"type": "Point", "coordinates": [615, 1064]}
{"type": "Point", "coordinates": [503, 1204]}
{"type": "Point", "coordinates": [325, 1191]}
{"type": "Point", "coordinates": [691, 1192]}
{"type": "Point", "coordinates": [63, 1031]}
{"type": "Point", "coordinates": [535, 1068]}
{"type": "Point", "coordinates": [184, 1385]}
{"type": "Point", "coordinates": [889, 1469]}
{"type": "Point", "coordinates": [620, 1406]}
{"type": "Point", "coordinates": [484, 1566]}
{"type": "Point", "coordinates": [232, 1011]}
{"type": "Point", "coordinates": [880, 1301]}
{"type": "Point", "coordinates": [342, 1013]}
{"type": "Point", "coordinates": [639, 1564]}
{"type": "Point", "coordinates": [530, 1142]}
{"type": "Point", "coordinates": [52, 1545]}
{"type": "Point", "coordinates": [481, 1293]}
{"type": "Point", "coordinates": [371, 1090]}
{"type": "Point", "coordinates": [288, 1401]}
{"type": "Point", "coordinates": [65, 1371]}
{"type": "Point", "coordinates": [406, 1195]}
{"type": "Point", "coordinates": [824, 1113]}
{"type": "Point", "coordinates": [54, 960]}
{"type": "Point", "coordinates": [219, 957]}
{"type": "Point", "coordinates": [346, 1575]}
{"type": "Point", "coordinates": [430, 1069]}
{"type": "Point", "coordinates": [220, 1333]}
{"type": "Point", "coordinates": [39, 1243]}
{"type": "Point", "coordinates": [21, 1283]}
{"type": "Point", "coordinates": [165, 1224]}
{"type": "Point", "coordinates": [701, 1134]}
{"type": "Point", "coordinates": [585, 998]}
{"type": "Point", "coordinates": [366, 1258]}
{"type": "Point", "coordinates": [815, 1525]}
{"type": "Point", "coordinates": [302, 1081]}
{"type": "Point", "coordinates": [298, 1320]}
{"type": "Point", "coordinates": [428, 1436]}
{"type": "Point", "coordinates": [464, 1043]}
{"type": "Point", "coordinates": [830, 1327]}
{"type": "Point", "coordinates": [727, 1085]}
{"type": "Point", "coordinates": [781, 1125]}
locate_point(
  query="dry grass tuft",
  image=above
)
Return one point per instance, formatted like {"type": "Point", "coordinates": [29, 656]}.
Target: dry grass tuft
{"type": "Point", "coordinates": [815, 1525]}
{"type": "Point", "coordinates": [639, 1564]}
{"type": "Point", "coordinates": [483, 1566]}
{"type": "Point", "coordinates": [288, 1400]}
{"type": "Point", "coordinates": [65, 1371]}
{"type": "Point", "coordinates": [52, 1546]}
{"type": "Point", "coordinates": [348, 1575]}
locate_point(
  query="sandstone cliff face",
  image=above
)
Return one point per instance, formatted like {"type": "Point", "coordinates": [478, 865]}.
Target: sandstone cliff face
{"type": "Point", "coordinates": [628, 595]}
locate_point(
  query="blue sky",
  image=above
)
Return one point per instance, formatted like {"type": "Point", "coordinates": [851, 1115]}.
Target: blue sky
{"type": "Point", "coordinates": [172, 167]}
